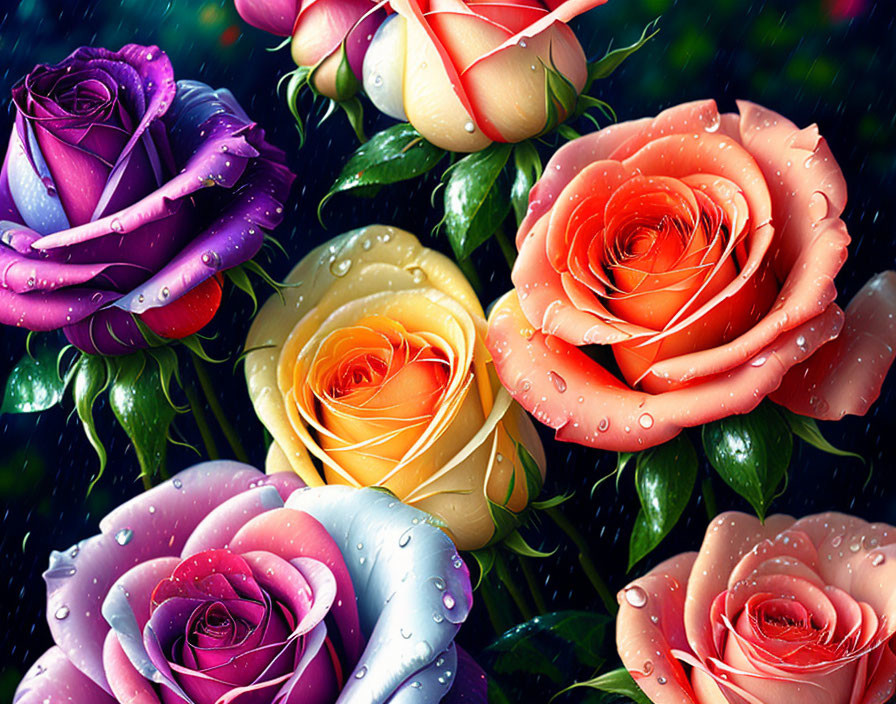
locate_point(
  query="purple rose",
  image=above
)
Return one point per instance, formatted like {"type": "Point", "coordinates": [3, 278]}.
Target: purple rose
{"type": "Point", "coordinates": [226, 586]}
{"type": "Point", "coordinates": [123, 194]}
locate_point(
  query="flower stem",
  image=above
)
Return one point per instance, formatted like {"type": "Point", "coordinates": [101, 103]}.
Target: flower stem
{"type": "Point", "coordinates": [507, 580]}
{"type": "Point", "coordinates": [215, 406]}
{"type": "Point", "coordinates": [147, 481]}
{"type": "Point", "coordinates": [466, 266]}
{"type": "Point", "coordinates": [534, 588]}
{"type": "Point", "coordinates": [487, 589]}
{"type": "Point", "coordinates": [584, 558]}
{"type": "Point", "coordinates": [709, 498]}
{"type": "Point", "coordinates": [211, 450]}
{"type": "Point", "coordinates": [507, 247]}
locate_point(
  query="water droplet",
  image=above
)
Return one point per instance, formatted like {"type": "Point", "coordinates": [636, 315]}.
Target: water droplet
{"type": "Point", "coordinates": [646, 421]}
{"type": "Point", "coordinates": [177, 483]}
{"type": "Point", "coordinates": [124, 536]}
{"type": "Point", "coordinates": [366, 244]}
{"type": "Point", "coordinates": [416, 685]}
{"type": "Point", "coordinates": [558, 381]}
{"type": "Point", "coordinates": [836, 541]}
{"type": "Point", "coordinates": [141, 298]}
{"type": "Point", "coordinates": [801, 343]}
{"type": "Point", "coordinates": [522, 43]}
{"type": "Point", "coordinates": [878, 560]}
{"type": "Point", "coordinates": [439, 584]}
{"type": "Point", "coordinates": [714, 124]}
{"type": "Point", "coordinates": [448, 600]}
{"type": "Point", "coordinates": [340, 267]}
{"type": "Point", "coordinates": [164, 293]}
{"type": "Point", "coordinates": [404, 635]}
{"type": "Point", "coordinates": [661, 680]}
{"type": "Point", "coordinates": [470, 127]}
{"type": "Point", "coordinates": [855, 547]}
{"type": "Point", "coordinates": [149, 56]}
{"type": "Point", "coordinates": [74, 552]}
{"type": "Point", "coordinates": [437, 617]}
{"type": "Point", "coordinates": [636, 596]}
{"type": "Point", "coordinates": [30, 282]}
{"type": "Point", "coordinates": [418, 275]}
{"type": "Point", "coordinates": [759, 361]}
{"type": "Point", "coordinates": [62, 572]}
{"type": "Point", "coordinates": [361, 671]}
{"type": "Point", "coordinates": [152, 509]}
{"type": "Point", "coordinates": [378, 80]}
{"type": "Point", "coordinates": [404, 538]}
{"type": "Point", "coordinates": [648, 667]}
{"type": "Point", "coordinates": [458, 563]}
{"type": "Point", "coordinates": [211, 258]}
{"type": "Point", "coordinates": [116, 225]}
{"type": "Point", "coordinates": [603, 425]}
{"type": "Point", "coordinates": [62, 613]}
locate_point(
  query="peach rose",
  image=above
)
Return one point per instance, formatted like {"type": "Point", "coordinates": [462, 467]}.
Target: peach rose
{"type": "Point", "coordinates": [679, 269]}
{"type": "Point", "coordinates": [374, 371]}
{"type": "Point", "coordinates": [466, 73]}
{"type": "Point", "coordinates": [785, 612]}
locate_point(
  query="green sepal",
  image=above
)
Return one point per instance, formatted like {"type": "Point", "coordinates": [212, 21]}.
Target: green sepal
{"type": "Point", "coordinates": [807, 430]}
{"type": "Point", "coordinates": [534, 481]}
{"type": "Point", "coordinates": [166, 359]}
{"type": "Point", "coordinates": [282, 45]}
{"type": "Point", "coordinates": [622, 460]}
{"type": "Point", "coordinates": [347, 84]}
{"type": "Point", "coordinates": [604, 66]}
{"type": "Point", "coordinates": [527, 163]}
{"type": "Point", "coordinates": [475, 201]}
{"type": "Point", "coordinates": [91, 378]}
{"type": "Point", "coordinates": [515, 542]}
{"type": "Point", "coordinates": [34, 384]}
{"type": "Point", "coordinates": [751, 452]}
{"type": "Point", "coordinates": [485, 561]}
{"type": "Point", "coordinates": [239, 278]}
{"type": "Point", "coordinates": [194, 344]}
{"type": "Point", "coordinates": [395, 154]}
{"type": "Point", "coordinates": [141, 409]}
{"type": "Point", "coordinates": [354, 111]}
{"type": "Point", "coordinates": [504, 519]}
{"type": "Point", "coordinates": [560, 97]}
{"type": "Point", "coordinates": [618, 682]}
{"type": "Point", "coordinates": [298, 79]}
{"type": "Point", "coordinates": [664, 478]}
{"type": "Point", "coordinates": [552, 502]}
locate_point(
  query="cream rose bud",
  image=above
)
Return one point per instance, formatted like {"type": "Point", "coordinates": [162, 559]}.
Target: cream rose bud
{"type": "Point", "coordinates": [374, 372]}
{"type": "Point", "coordinates": [465, 74]}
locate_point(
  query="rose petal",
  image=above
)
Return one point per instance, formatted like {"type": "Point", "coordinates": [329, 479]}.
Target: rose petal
{"type": "Point", "coordinates": [846, 375]}
{"type": "Point", "coordinates": [127, 684]}
{"type": "Point", "coordinates": [410, 614]}
{"type": "Point", "coordinates": [650, 625]}
{"type": "Point", "coordinates": [274, 16]}
{"type": "Point", "coordinates": [54, 680]}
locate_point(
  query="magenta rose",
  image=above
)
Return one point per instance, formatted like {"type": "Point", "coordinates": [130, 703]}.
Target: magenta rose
{"type": "Point", "coordinates": [123, 194]}
{"type": "Point", "coordinates": [226, 586]}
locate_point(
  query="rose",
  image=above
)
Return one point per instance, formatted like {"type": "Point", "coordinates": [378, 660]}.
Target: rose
{"type": "Point", "coordinates": [328, 36]}
{"type": "Point", "coordinates": [672, 270]}
{"type": "Point", "coordinates": [123, 195]}
{"type": "Point", "coordinates": [375, 366]}
{"type": "Point", "coordinates": [223, 585]}
{"type": "Point", "coordinates": [467, 73]}
{"type": "Point", "coordinates": [801, 612]}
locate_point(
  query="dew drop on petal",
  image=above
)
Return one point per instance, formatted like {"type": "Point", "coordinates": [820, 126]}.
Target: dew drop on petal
{"type": "Point", "coordinates": [636, 597]}
{"type": "Point", "coordinates": [61, 613]}
{"type": "Point", "coordinates": [124, 536]}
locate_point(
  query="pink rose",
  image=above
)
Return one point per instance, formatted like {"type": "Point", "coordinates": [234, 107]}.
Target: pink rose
{"type": "Point", "coordinates": [785, 612]}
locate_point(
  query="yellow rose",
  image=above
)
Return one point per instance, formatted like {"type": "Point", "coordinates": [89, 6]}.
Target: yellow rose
{"type": "Point", "coordinates": [374, 372]}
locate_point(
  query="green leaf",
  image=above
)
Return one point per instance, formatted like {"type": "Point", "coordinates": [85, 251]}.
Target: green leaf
{"type": "Point", "coordinates": [807, 430]}
{"type": "Point", "coordinates": [395, 154]}
{"type": "Point", "coordinates": [615, 682]}
{"type": "Point", "coordinates": [751, 452]}
{"type": "Point", "coordinates": [34, 384]}
{"type": "Point", "coordinates": [504, 519]}
{"type": "Point", "coordinates": [551, 502]}
{"type": "Point", "coordinates": [91, 379]}
{"type": "Point", "coordinates": [166, 358]}
{"type": "Point", "coordinates": [141, 408]}
{"type": "Point", "coordinates": [664, 477]}
{"type": "Point", "coordinates": [475, 205]}
{"type": "Point", "coordinates": [603, 67]}
{"type": "Point", "coordinates": [240, 279]}
{"type": "Point", "coordinates": [528, 170]}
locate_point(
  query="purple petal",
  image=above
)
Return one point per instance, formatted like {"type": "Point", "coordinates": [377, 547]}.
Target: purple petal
{"type": "Point", "coordinates": [54, 679]}
{"type": "Point", "coordinates": [359, 37]}
{"type": "Point", "coordinates": [8, 209]}
{"type": "Point", "coordinates": [274, 16]}
{"type": "Point", "coordinates": [108, 332]}
{"type": "Point", "coordinates": [413, 589]}
{"type": "Point", "coordinates": [51, 310]}
{"type": "Point", "coordinates": [32, 192]}
{"type": "Point", "coordinates": [217, 529]}
{"type": "Point", "coordinates": [154, 524]}
{"type": "Point", "coordinates": [127, 684]}
{"type": "Point", "coordinates": [470, 684]}
{"type": "Point", "coordinates": [22, 274]}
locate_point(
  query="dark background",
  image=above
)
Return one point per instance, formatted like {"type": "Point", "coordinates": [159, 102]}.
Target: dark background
{"type": "Point", "coordinates": [825, 61]}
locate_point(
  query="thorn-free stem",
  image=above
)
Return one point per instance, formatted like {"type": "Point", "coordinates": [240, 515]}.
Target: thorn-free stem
{"type": "Point", "coordinates": [214, 405]}
{"type": "Point", "coordinates": [585, 560]}
{"type": "Point", "coordinates": [709, 498]}
{"type": "Point", "coordinates": [534, 587]}
{"type": "Point", "coordinates": [490, 599]}
{"type": "Point", "coordinates": [507, 580]}
{"type": "Point", "coordinates": [507, 247]}
{"type": "Point", "coordinates": [201, 422]}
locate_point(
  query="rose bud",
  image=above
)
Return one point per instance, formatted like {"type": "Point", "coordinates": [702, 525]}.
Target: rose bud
{"type": "Point", "coordinates": [465, 74]}
{"type": "Point", "coordinates": [328, 36]}
{"type": "Point", "coordinates": [374, 372]}
{"type": "Point", "coordinates": [123, 195]}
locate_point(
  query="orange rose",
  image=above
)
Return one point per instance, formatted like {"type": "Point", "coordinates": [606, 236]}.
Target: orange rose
{"type": "Point", "coordinates": [781, 612]}
{"type": "Point", "coordinates": [374, 371]}
{"type": "Point", "coordinates": [467, 73]}
{"type": "Point", "coordinates": [679, 269]}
